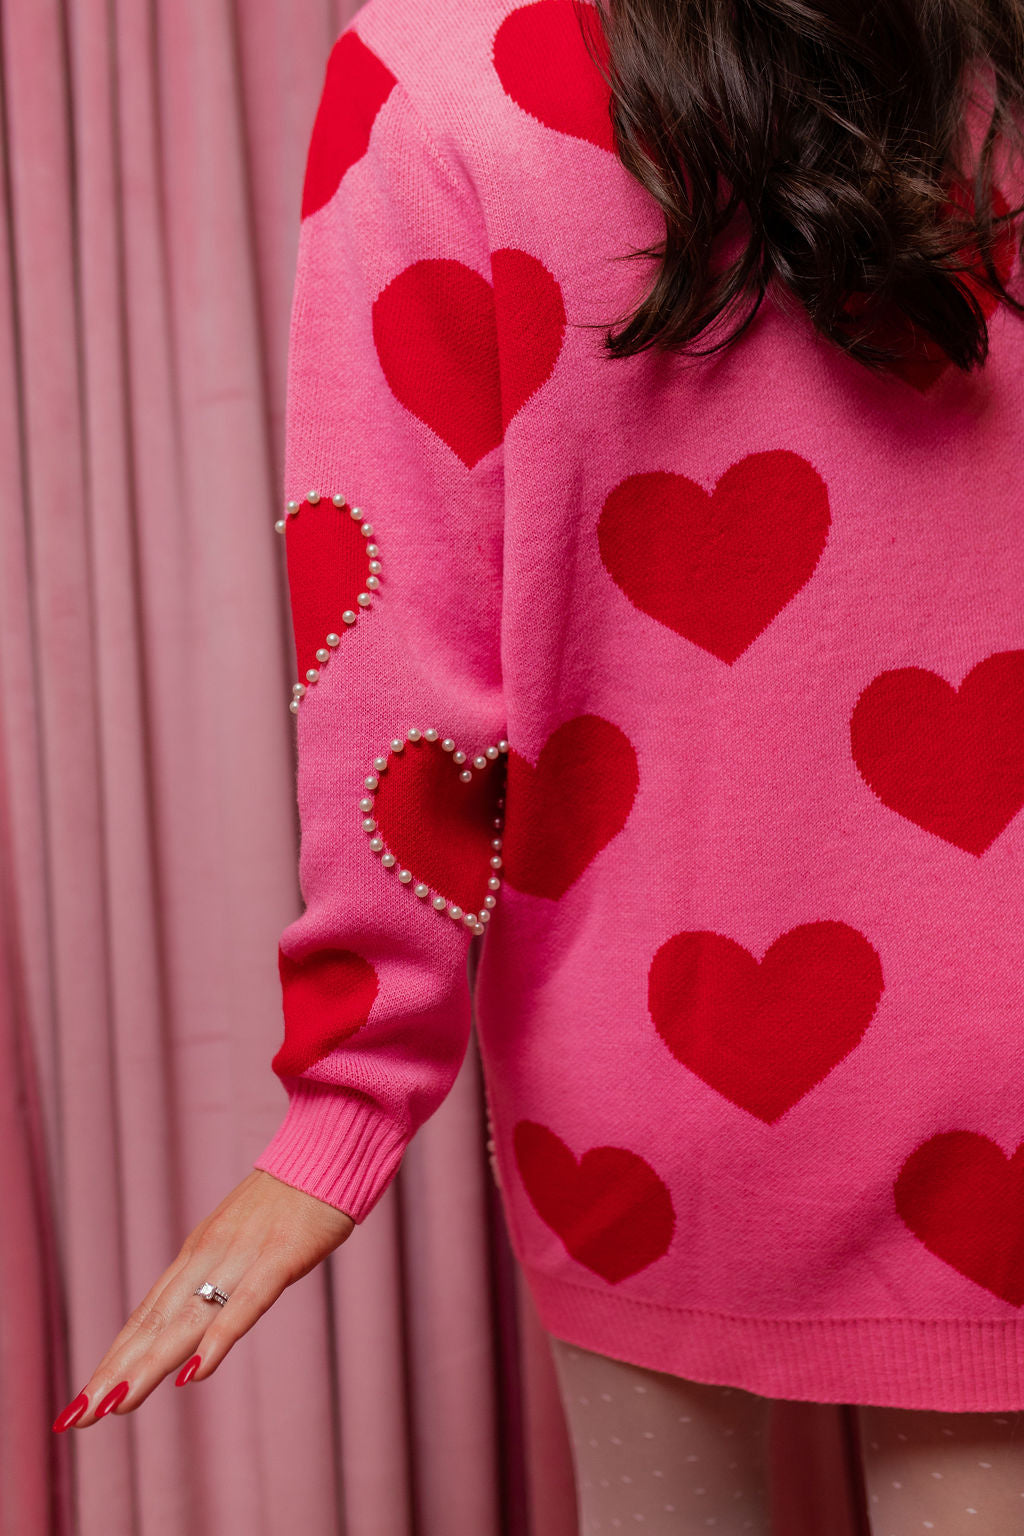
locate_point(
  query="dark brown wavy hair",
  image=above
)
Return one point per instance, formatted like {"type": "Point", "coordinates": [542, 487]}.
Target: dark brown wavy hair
{"type": "Point", "coordinates": [835, 131]}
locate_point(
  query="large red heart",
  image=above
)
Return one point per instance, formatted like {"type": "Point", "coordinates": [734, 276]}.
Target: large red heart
{"type": "Point", "coordinates": [611, 1210]}
{"type": "Point", "coordinates": [328, 563]}
{"type": "Point", "coordinates": [951, 761]}
{"type": "Point", "coordinates": [436, 825]}
{"type": "Point", "coordinates": [561, 813]}
{"type": "Point", "coordinates": [541, 58]}
{"type": "Point", "coordinates": [717, 567]}
{"type": "Point", "coordinates": [764, 1034]}
{"type": "Point", "coordinates": [327, 995]}
{"type": "Point", "coordinates": [356, 86]}
{"type": "Point", "coordinates": [464, 356]}
{"type": "Point", "coordinates": [963, 1198]}
{"type": "Point", "coordinates": [923, 361]}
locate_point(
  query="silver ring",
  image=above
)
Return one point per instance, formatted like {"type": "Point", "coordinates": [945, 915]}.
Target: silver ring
{"type": "Point", "coordinates": [211, 1293]}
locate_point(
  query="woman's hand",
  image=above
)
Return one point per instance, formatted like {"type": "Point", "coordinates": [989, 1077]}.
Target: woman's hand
{"type": "Point", "coordinates": [261, 1238]}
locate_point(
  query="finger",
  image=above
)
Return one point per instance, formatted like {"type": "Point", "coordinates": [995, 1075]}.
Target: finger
{"type": "Point", "coordinates": [255, 1294]}
{"type": "Point", "coordinates": [168, 1332]}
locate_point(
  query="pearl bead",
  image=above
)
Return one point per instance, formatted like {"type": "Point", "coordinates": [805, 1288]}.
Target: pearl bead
{"type": "Point", "coordinates": [466, 775]}
{"type": "Point", "coordinates": [338, 499]}
{"type": "Point", "coordinates": [421, 890]}
{"type": "Point", "coordinates": [333, 639]}
{"type": "Point", "coordinates": [293, 705]}
{"type": "Point", "coordinates": [458, 757]}
{"type": "Point", "coordinates": [369, 825]}
{"type": "Point", "coordinates": [366, 529]}
{"type": "Point", "coordinates": [380, 763]}
{"type": "Point", "coordinates": [405, 875]}
{"type": "Point", "coordinates": [495, 861]}
{"type": "Point", "coordinates": [371, 781]}
{"type": "Point", "coordinates": [373, 582]}
{"type": "Point", "coordinates": [412, 733]}
{"type": "Point", "coordinates": [364, 599]}
{"type": "Point", "coordinates": [495, 842]}
{"type": "Point", "coordinates": [494, 884]}
{"type": "Point", "coordinates": [349, 616]}
{"type": "Point", "coordinates": [279, 526]}
{"type": "Point", "coordinates": [497, 821]}
{"type": "Point", "coordinates": [388, 859]}
{"type": "Point", "coordinates": [439, 903]}
{"type": "Point", "coordinates": [371, 549]}
{"type": "Point", "coordinates": [492, 753]}
{"type": "Point", "coordinates": [398, 745]}
{"type": "Point", "coordinates": [503, 746]}
{"type": "Point", "coordinates": [455, 912]}
{"type": "Point", "coordinates": [500, 800]}
{"type": "Point", "coordinates": [357, 513]}
{"type": "Point", "coordinates": [293, 507]}
{"type": "Point", "coordinates": [366, 803]}
{"type": "Point", "coordinates": [312, 675]}
{"type": "Point", "coordinates": [485, 916]}
{"type": "Point", "coordinates": [312, 497]}
{"type": "Point", "coordinates": [430, 735]}
{"type": "Point", "coordinates": [447, 745]}
{"type": "Point", "coordinates": [375, 567]}
{"type": "Point", "coordinates": [479, 762]}
{"type": "Point", "coordinates": [469, 918]}
{"type": "Point", "coordinates": [376, 843]}
{"type": "Point", "coordinates": [298, 689]}
{"type": "Point", "coordinates": [489, 901]}
{"type": "Point", "coordinates": [323, 654]}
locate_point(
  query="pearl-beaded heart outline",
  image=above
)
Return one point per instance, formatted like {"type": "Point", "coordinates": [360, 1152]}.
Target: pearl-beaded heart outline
{"type": "Point", "coordinates": [364, 599]}
{"type": "Point", "coordinates": [475, 921]}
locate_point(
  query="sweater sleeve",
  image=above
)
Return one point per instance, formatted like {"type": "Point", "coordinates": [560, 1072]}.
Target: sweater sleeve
{"type": "Point", "coordinates": [393, 538]}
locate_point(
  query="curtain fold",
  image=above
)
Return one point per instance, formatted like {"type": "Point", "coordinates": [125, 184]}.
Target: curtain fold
{"type": "Point", "coordinates": [152, 160]}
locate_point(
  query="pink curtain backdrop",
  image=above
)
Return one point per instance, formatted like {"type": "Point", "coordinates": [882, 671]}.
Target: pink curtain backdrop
{"type": "Point", "coordinates": [152, 163]}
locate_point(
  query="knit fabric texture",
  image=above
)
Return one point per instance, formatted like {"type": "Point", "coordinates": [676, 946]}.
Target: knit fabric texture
{"type": "Point", "coordinates": [691, 690]}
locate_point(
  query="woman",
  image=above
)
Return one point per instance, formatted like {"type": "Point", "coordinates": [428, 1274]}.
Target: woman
{"type": "Point", "coordinates": [686, 662]}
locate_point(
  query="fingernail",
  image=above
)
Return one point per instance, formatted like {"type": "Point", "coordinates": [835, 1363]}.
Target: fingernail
{"type": "Point", "coordinates": [117, 1395]}
{"type": "Point", "coordinates": [187, 1371]}
{"type": "Point", "coordinates": [72, 1413]}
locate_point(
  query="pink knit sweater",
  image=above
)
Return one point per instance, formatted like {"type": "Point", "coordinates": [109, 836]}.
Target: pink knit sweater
{"type": "Point", "coordinates": [693, 693]}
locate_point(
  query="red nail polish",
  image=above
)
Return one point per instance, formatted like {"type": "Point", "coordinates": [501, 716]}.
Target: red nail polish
{"type": "Point", "coordinates": [115, 1396]}
{"type": "Point", "coordinates": [187, 1371]}
{"type": "Point", "coordinates": [72, 1413]}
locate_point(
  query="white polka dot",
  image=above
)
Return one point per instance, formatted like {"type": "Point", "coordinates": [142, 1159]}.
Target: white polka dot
{"type": "Point", "coordinates": [661, 1474]}
{"type": "Point", "coordinates": [986, 1464]}
{"type": "Point", "coordinates": [615, 1440]}
{"type": "Point", "coordinates": [970, 1511]}
{"type": "Point", "coordinates": [897, 1485]}
{"type": "Point", "coordinates": [648, 1434]}
{"type": "Point", "coordinates": [606, 1397]}
{"type": "Point", "coordinates": [685, 1419]}
{"type": "Point", "coordinates": [700, 1490]}
{"type": "Point", "coordinates": [1000, 1421]}
{"type": "Point", "coordinates": [936, 1474]}
{"type": "Point", "coordinates": [693, 1458]}
{"type": "Point", "coordinates": [929, 1525]}
{"type": "Point", "coordinates": [948, 1432]}
{"type": "Point", "coordinates": [639, 1389]}
{"type": "Point", "coordinates": [625, 1479]}
{"type": "Point", "coordinates": [900, 1437]}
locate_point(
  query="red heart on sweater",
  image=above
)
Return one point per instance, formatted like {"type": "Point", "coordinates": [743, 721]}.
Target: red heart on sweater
{"type": "Point", "coordinates": [764, 1034]}
{"type": "Point", "coordinates": [356, 86]}
{"type": "Point", "coordinates": [561, 813]}
{"type": "Point", "coordinates": [611, 1210]}
{"type": "Point", "coordinates": [436, 825]}
{"type": "Point", "coordinates": [924, 362]}
{"type": "Point", "coordinates": [462, 356]}
{"type": "Point", "coordinates": [952, 761]}
{"type": "Point", "coordinates": [963, 1198]}
{"type": "Point", "coordinates": [541, 58]}
{"type": "Point", "coordinates": [327, 995]}
{"type": "Point", "coordinates": [717, 567]}
{"type": "Point", "coordinates": [328, 565]}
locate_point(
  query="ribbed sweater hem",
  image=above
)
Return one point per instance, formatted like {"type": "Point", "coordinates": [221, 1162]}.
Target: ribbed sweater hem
{"type": "Point", "coordinates": [952, 1365]}
{"type": "Point", "coordinates": [335, 1145]}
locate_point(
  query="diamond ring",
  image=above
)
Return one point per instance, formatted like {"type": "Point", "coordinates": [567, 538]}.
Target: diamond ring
{"type": "Point", "coordinates": [211, 1293]}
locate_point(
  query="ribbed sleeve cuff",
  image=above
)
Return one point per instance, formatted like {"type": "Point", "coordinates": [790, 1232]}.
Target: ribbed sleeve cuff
{"type": "Point", "coordinates": [335, 1145]}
